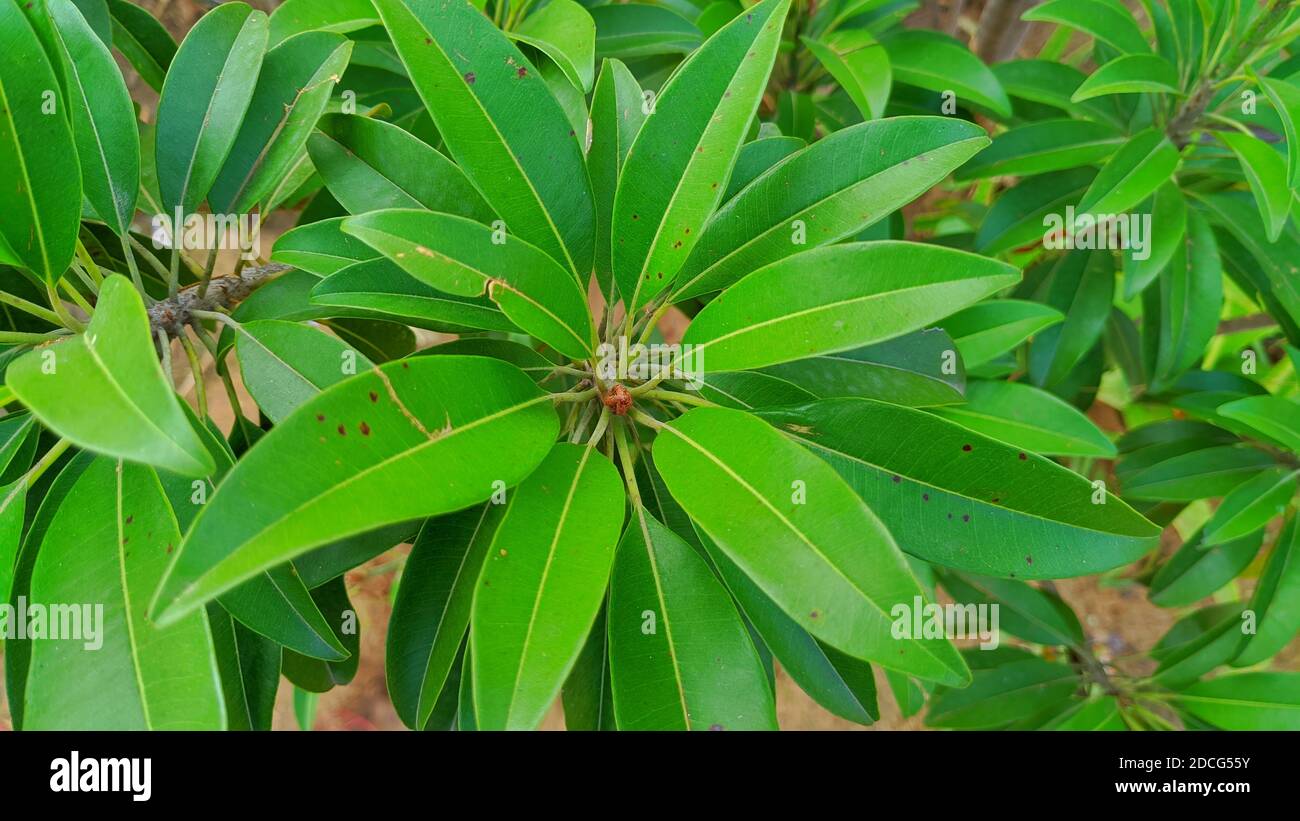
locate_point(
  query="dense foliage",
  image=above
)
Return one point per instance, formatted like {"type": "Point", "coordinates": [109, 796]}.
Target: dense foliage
{"type": "Point", "coordinates": [1082, 331]}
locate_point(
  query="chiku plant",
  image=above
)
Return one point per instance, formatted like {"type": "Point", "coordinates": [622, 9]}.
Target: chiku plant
{"type": "Point", "coordinates": [848, 420]}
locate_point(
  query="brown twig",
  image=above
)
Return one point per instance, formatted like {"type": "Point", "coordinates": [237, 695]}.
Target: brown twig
{"type": "Point", "coordinates": [171, 315]}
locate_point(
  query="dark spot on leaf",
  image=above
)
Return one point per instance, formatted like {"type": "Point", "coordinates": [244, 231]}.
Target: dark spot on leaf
{"type": "Point", "coordinates": [925, 497]}
{"type": "Point", "coordinates": [949, 515]}
{"type": "Point", "coordinates": [1023, 457]}
{"type": "Point", "coordinates": [364, 428]}
{"type": "Point", "coordinates": [374, 397]}
{"type": "Point", "coordinates": [636, 216]}
{"type": "Point", "coordinates": [816, 614]}
{"type": "Point", "coordinates": [521, 72]}
{"type": "Point", "coordinates": [897, 479]}
{"type": "Point", "coordinates": [320, 417]}
{"type": "Point", "coordinates": [428, 41]}
{"type": "Point", "coordinates": [716, 727]}
{"type": "Point", "coordinates": [130, 519]}
{"type": "Point", "coordinates": [406, 366]}
{"type": "Point", "coordinates": [965, 517]}
{"type": "Point", "coordinates": [966, 448]}
{"type": "Point", "coordinates": [169, 548]}
{"type": "Point", "coordinates": [997, 499]}
{"type": "Point", "coordinates": [469, 77]}
{"type": "Point", "coordinates": [1029, 560]}
{"type": "Point", "coordinates": [342, 431]}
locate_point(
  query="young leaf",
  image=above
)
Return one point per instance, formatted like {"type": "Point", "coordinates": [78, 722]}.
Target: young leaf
{"type": "Point", "coordinates": [202, 105]}
{"type": "Point", "coordinates": [542, 585]}
{"type": "Point", "coordinates": [1142, 264]}
{"type": "Point", "coordinates": [108, 544]}
{"type": "Point", "coordinates": [677, 169]}
{"type": "Point", "coordinates": [104, 390]}
{"type": "Point", "coordinates": [1285, 98]}
{"type": "Point", "coordinates": [838, 298]}
{"type": "Point", "coordinates": [462, 257]}
{"type": "Point", "coordinates": [1081, 284]}
{"type": "Point", "coordinates": [1029, 418]}
{"type": "Point", "coordinates": [829, 563]}
{"type": "Point", "coordinates": [103, 119]}
{"type": "Point", "coordinates": [1265, 170]}
{"type": "Point", "coordinates": [958, 499]}
{"type": "Point", "coordinates": [1130, 74]}
{"type": "Point", "coordinates": [565, 32]}
{"type": "Point", "coordinates": [360, 441]}
{"type": "Point", "coordinates": [1275, 417]}
{"type": "Point", "coordinates": [617, 113]}
{"type": "Point", "coordinates": [500, 123]}
{"type": "Point", "coordinates": [1108, 22]}
{"type": "Point", "coordinates": [40, 186]}
{"type": "Point", "coordinates": [1251, 506]}
{"type": "Point", "coordinates": [680, 657]}
{"type": "Point", "coordinates": [859, 63]}
{"type": "Point", "coordinates": [1145, 163]}
{"type": "Point", "coordinates": [834, 188]}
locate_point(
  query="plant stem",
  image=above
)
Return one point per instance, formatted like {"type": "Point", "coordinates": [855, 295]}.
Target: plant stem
{"type": "Point", "coordinates": [574, 396]}
{"type": "Point", "coordinates": [196, 367]}
{"type": "Point", "coordinates": [31, 308]}
{"type": "Point", "coordinates": [24, 338]}
{"type": "Point", "coordinates": [625, 458]}
{"type": "Point", "coordinates": [165, 352]}
{"type": "Point", "coordinates": [677, 396]}
{"type": "Point", "coordinates": [134, 268]}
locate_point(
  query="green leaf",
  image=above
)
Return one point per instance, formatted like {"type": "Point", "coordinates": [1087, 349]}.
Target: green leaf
{"type": "Point", "coordinates": [1082, 284]}
{"type": "Point", "coordinates": [1019, 215]}
{"type": "Point", "coordinates": [1276, 601]}
{"type": "Point", "coordinates": [641, 30]}
{"type": "Point", "coordinates": [1246, 701]}
{"type": "Point", "coordinates": [1251, 506]}
{"type": "Point", "coordinates": [202, 105]}
{"type": "Point", "coordinates": [617, 112]}
{"type": "Point", "coordinates": [1029, 612]}
{"type": "Point", "coordinates": [837, 298]}
{"type": "Point", "coordinates": [677, 169]}
{"type": "Point", "coordinates": [564, 32]}
{"type": "Point", "coordinates": [758, 156]}
{"type": "Point", "coordinates": [587, 697]}
{"type": "Point", "coordinates": [745, 390]}
{"type": "Point", "coordinates": [961, 500]}
{"type": "Point", "coordinates": [986, 330]}
{"type": "Point", "coordinates": [284, 364]}
{"type": "Point", "coordinates": [1098, 713]}
{"type": "Point", "coordinates": [103, 119]}
{"type": "Point", "coordinates": [824, 193]}
{"type": "Point", "coordinates": [680, 656]}
{"type": "Point", "coordinates": [380, 289]}
{"type": "Point", "coordinates": [1106, 21]}
{"type": "Point", "coordinates": [1002, 694]}
{"type": "Point", "coordinates": [431, 614]}
{"type": "Point", "coordinates": [404, 422]}
{"type": "Point", "coordinates": [370, 165]}
{"type": "Point", "coordinates": [1029, 418]}
{"type": "Point", "coordinates": [292, 91]}
{"type": "Point", "coordinates": [500, 123]}
{"type": "Point", "coordinates": [1215, 641]}
{"type": "Point", "coordinates": [542, 585]}
{"type": "Point", "coordinates": [249, 667]}
{"type": "Point", "coordinates": [341, 16]}
{"type": "Point", "coordinates": [1198, 570]}
{"type": "Point", "coordinates": [1131, 74]}
{"type": "Point", "coordinates": [321, 248]}
{"type": "Point", "coordinates": [104, 390]}
{"type": "Point", "coordinates": [463, 257]}
{"type": "Point", "coordinates": [1051, 83]}
{"type": "Point", "coordinates": [319, 675]}
{"type": "Point", "coordinates": [1201, 474]}
{"type": "Point", "coordinates": [910, 370]}
{"type": "Point", "coordinates": [143, 41]}
{"type": "Point", "coordinates": [937, 62]}
{"type": "Point", "coordinates": [1168, 212]}
{"type": "Point", "coordinates": [1285, 99]}
{"type": "Point", "coordinates": [1145, 163]}
{"type": "Point", "coordinates": [859, 63]}
{"type": "Point", "coordinates": [829, 563]}
{"type": "Point", "coordinates": [1266, 172]}
{"type": "Point", "coordinates": [40, 186]}
{"type": "Point", "coordinates": [107, 544]}
{"type": "Point", "coordinates": [1050, 145]}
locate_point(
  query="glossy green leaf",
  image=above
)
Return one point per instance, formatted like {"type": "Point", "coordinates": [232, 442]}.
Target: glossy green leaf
{"type": "Point", "coordinates": [107, 544]}
{"type": "Point", "coordinates": [1102, 713]}
{"type": "Point", "coordinates": [1032, 613]}
{"type": "Point", "coordinates": [203, 102]}
{"type": "Point", "coordinates": [824, 193]}
{"type": "Point", "coordinates": [628, 30]}
{"type": "Point", "coordinates": [104, 389]}
{"type": "Point", "coordinates": [1181, 314]}
{"type": "Point", "coordinates": [680, 656]}
{"type": "Point", "coordinates": [319, 675]}
{"type": "Point", "coordinates": [1285, 99]}
{"type": "Point", "coordinates": [369, 165]}
{"type": "Point", "coordinates": [336, 467]}
{"type": "Point", "coordinates": [249, 667]}
{"type": "Point", "coordinates": [1001, 694]}
{"type": "Point", "coordinates": [1276, 601]}
{"type": "Point", "coordinates": [937, 62]}
{"type": "Point", "coordinates": [462, 257]}
{"type": "Point", "coordinates": [1052, 83]}
{"type": "Point", "coordinates": [380, 289]}
{"type": "Point", "coordinates": [284, 364]}
{"type": "Point", "coordinates": [1106, 21]}
{"type": "Point", "coordinates": [1201, 474]}
{"type": "Point", "coordinates": [1265, 171]}
{"type": "Point", "coordinates": [1029, 418]}
{"type": "Point", "coordinates": [542, 585]}
{"type": "Point", "coordinates": [1214, 645]}
{"type": "Point", "coordinates": [986, 330]}
{"type": "Point", "coordinates": [103, 119]}
{"type": "Point", "coordinates": [838, 298]}
{"type": "Point", "coordinates": [745, 390]}
{"type": "Point", "coordinates": [1049, 145]}
{"type": "Point", "coordinates": [564, 32]}
{"type": "Point", "coordinates": [756, 157]}
{"type": "Point", "coordinates": [1130, 74]}
{"type": "Point", "coordinates": [961, 500]}
{"type": "Point", "coordinates": [431, 614]}
{"type": "Point", "coordinates": [1251, 506]}
{"type": "Point", "coordinates": [1145, 163]}
{"type": "Point", "coordinates": [1081, 284]}
{"type": "Point", "coordinates": [1020, 216]}
{"type": "Point", "coordinates": [829, 563]}
{"type": "Point", "coordinates": [40, 187]}
{"type": "Point", "coordinates": [292, 91]}
{"type": "Point", "coordinates": [587, 695]}
{"type": "Point", "coordinates": [617, 112]}
{"type": "Point", "coordinates": [143, 41]}
{"type": "Point", "coordinates": [1273, 416]}
{"type": "Point", "coordinates": [1246, 701]}
{"type": "Point", "coordinates": [321, 248]}
{"type": "Point", "coordinates": [500, 123]}
{"type": "Point", "coordinates": [859, 63]}
{"type": "Point", "coordinates": [342, 16]}
{"type": "Point", "coordinates": [677, 169]}
{"type": "Point", "coordinates": [1142, 265]}
{"type": "Point", "coordinates": [1197, 570]}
